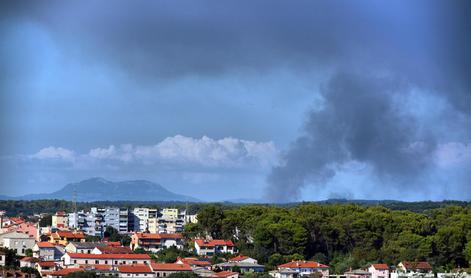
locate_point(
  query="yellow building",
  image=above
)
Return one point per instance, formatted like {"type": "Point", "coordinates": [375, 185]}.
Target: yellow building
{"type": "Point", "coordinates": [60, 220]}
{"type": "Point", "coordinates": [64, 237]}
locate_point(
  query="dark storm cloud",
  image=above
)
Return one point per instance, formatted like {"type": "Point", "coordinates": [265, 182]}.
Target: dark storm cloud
{"type": "Point", "coordinates": [376, 54]}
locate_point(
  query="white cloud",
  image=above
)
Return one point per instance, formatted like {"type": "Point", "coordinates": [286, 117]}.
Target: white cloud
{"type": "Point", "coordinates": [53, 153]}
{"type": "Point", "coordinates": [177, 151]}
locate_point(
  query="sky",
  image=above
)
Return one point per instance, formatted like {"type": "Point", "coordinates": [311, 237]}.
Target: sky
{"type": "Point", "coordinates": [221, 100]}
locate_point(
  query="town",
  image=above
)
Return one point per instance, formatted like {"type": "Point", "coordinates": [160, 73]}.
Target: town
{"type": "Point", "coordinates": [148, 242]}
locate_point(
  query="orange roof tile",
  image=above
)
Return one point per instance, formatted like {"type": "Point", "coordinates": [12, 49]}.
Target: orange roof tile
{"type": "Point", "coordinates": [64, 271]}
{"type": "Point", "coordinates": [417, 265]}
{"type": "Point", "coordinates": [380, 266]}
{"type": "Point", "coordinates": [214, 242]}
{"type": "Point", "coordinates": [109, 256]}
{"type": "Point", "coordinates": [45, 244]}
{"type": "Point", "coordinates": [173, 266]}
{"type": "Point", "coordinates": [135, 268]}
{"type": "Point", "coordinates": [238, 258]}
{"type": "Point", "coordinates": [226, 273]}
{"type": "Point", "coordinates": [303, 264]}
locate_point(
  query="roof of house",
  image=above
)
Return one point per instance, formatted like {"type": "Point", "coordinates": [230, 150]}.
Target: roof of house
{"type": "Point", "coordinates": [135, 268]}
{"type": "Point", "coordinates": [240, 264]}
{"type": "Point", "coordinates": [109, 256]}
{"type": "Point", "coordinates": [238, 258]}
{"type": "Point", "coordinates": [68, 234]}
{"type": "Point", "coordinates": [194, 261]}
{"type": "Point", "coordinates": [45, 244]}
{"type": "Point", "coordinates": [87, 245]}
{"type": "Point", "coordinates": [30, 259]}
{"type": "Point", "coordinates": [380, 266]}
{"type": "Point", "coordinates": [47, 263]}
{"type": "Point", "coordinates": [417, 265]}
{"type": "Point", "coordinates": [226, 273]}
{"type": "Point", "coordinates": [170, 266]}
{"type": "Point", "coordinates": [64, 271]}
{"type": "Point", "coordinates": [112, 243]}
{"type": "Point", "coordinates": [214, 242]}
{"type": "Point", "coordinates": [158, 236]}
{"type": "Point", "coordinates": [303, 264]}
{"type": "Point", "coordinates": [114, 249]}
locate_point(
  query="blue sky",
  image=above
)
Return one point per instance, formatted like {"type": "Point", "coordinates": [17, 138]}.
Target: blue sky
{"type": "Point", "coordinates": [273, 100]}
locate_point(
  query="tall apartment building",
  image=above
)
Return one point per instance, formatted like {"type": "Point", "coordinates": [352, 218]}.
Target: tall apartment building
{"type": "Point", "coordinates": [165, 221]}
{"type": "Point", "coordinates": [141, 218]}
{"type": "Point", "coordinates": [96, 220]}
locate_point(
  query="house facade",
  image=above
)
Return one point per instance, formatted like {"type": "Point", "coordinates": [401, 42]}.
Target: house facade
{"type": "Point", "coordinates": [295, 269]}
{"type": "Point", "coordinates": [379, 270]}
{"type": "Point", "coordinates": [205, 247]}
{"type": "Point", "coordinates": [78, 259]}
{"type": "Point", "coordinates": [155, 242]}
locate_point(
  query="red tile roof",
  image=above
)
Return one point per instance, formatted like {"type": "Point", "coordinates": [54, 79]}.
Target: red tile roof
{"type": "Point", "coordinates": [226, 273]}
{"type": "Point", "coordinates": [109, 256]}
{"type": "Point", "coordinates": [194, 261]}
{"type": "Point", "coordinates": [158, 236]}
{"type": "Point", "coordinates": [213, 243]}
{"type": "Point", "coordinates": [114, 250]}
{"type": "Point", "coordinates": [29, 259]}
{"type": "Point", "coordinates": [113, 243]}
{"type": "Point", "coordinates": [238, 258]}
{"type": "Point", "coordinates": [47, 263]}
{"type": "Point", "coordinates": [171, 267]}
{"type": "Point", "coordinates": [417, 265]}
{"type": "Point", "coordinates": [303, 264]}
{"type": "Point", "coordinates": [381, 266]}
{"type": "Point", "coordinates": [136, 268]}
{"type": "Point", "coordinates": [64, 271]}
{"type": "Point", "coordinates": [67, 234]}
{"type": "Point", "coordinates": [45, 244]}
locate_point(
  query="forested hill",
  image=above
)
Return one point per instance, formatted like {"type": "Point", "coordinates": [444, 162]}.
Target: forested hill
{"type": "Point", "coordinates": [342, 235]}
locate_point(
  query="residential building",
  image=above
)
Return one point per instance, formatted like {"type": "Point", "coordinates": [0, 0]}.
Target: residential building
{"type": "Point", "coordinates": [28, 262]}
{"type": "Point", "coordinates": [47, 251]}
{"type": "Point", "coordinates": [64, 237]}
{"type": "Point", "coordinates": [155, 242]}
{"type": "Point", "coordinates": [379, 270]}
{"type": "Point", "coordinates": [19, 242]}
{"type": "Point", "coordinates": [165, 269]}
{"type": "Point", "coordinates": [77, 259]}
{"type": "Point", "coordinates": [83, 247]}
{"type": "Point", "coordinates": [95, 221]}
{"type": "Point", "coordinates": [243, 266]}
{"type": "Point", "coordinates": [243, 259]}
{"type": "Point", "coordinates": [60, 220]}
{"type": "Point", "coordinates": [45, 267]}
{"type": "Point", "coordinates": [205, 247]}
{"type": "Point", "coordinates": [357, 273]}
{"type": "Point", "coordinates": [295, 269]}
{"type": "Point", "coordinates": [112, 250]}
{"type": "Point", "coordinates": [227, 274]}
{"type": "Point", "coordinates": [194, 262]}
{"type": "Point", "coordinates": [413, 269]}
{"type": "Point", "coordinates": [135, 271]}
{"type": "Point", "coordinates": [141, 218]}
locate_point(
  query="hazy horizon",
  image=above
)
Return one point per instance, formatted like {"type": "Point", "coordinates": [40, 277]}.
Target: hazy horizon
{"type": "Point", "coordinates": [217, 100]}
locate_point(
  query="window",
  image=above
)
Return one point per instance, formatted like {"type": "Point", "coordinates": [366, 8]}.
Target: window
{"type": "Point", "coordinates": [106, 262]}
{"type": "Point", "coordinates": [158, 274]}
{"type": "Point", "coordinates": [75, 261]}
{"type": "Point", "coordinates": [115, 262]}
{"type": "Point", "coordinates": [97, 262]}
{"type": "Point", "coordinates": [89, 251]}
{"type": "Point", "coordinates": [86, 261]}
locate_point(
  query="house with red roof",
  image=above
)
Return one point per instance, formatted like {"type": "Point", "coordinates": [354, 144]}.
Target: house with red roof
{"type": "Point", "coordinates": [135, 271]}
{"type": "Point", "coordinates": [295, 269]}
{"type": "Point", "coordinates": [155, 242]}
{"type": "Point", "coordinates": [242, 259]}
{"type": "Point", "coordinates": [206, 247]}
{"type": "Point", "coordinates": [47, 251]}
{"type": "Point", "coordinates": [227, 274]}
{"type": "Point", "coordinates": [412, 269]}
{"type": "Point", "coordinates": [194, 262]}
{"type": "Point", "coordinates": [64, 237]}
{"type": "Point", "coordinates": [28, 262]}
{"type": "Point", "coordinates": [76, 259]}
{"type": "Point", "coordinates": [63, 272]}
{"type": "Point", "coordinates": [165, 269]}
{"type": "Point", "coordinates": [379, 270]}
{"type": "Point", "coordinates": [112, 250]}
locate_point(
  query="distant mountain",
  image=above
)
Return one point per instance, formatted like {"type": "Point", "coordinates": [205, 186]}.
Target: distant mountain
{"type": "Point", "coordinates": [99, 189]}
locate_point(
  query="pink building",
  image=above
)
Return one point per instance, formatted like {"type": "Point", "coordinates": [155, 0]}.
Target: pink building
{"type": "Point", "coordinates": [379, 271]}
